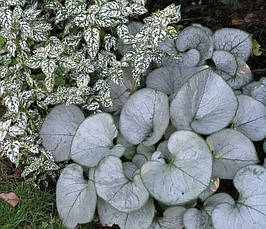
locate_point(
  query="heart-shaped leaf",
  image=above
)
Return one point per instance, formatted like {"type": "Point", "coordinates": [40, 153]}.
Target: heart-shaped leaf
{"type": "Point", "coordinates": [172, 219]}
{"type": "Point", "coordinates": [194, 37]}
{"type": "Point", "coordinates": [250, 118]}
{"type": "Point", "coordinates": [59, 128]}
{"type": "Point", "coordinates": [185, 176]}
{"type": "Point", "coordinates": [235, 72]}
{"type": "Point", "coordinates": [250, 209]}
{"type": "Point", "coordinates": [94, 140]}
{"type": "Point", "coordinates": [170, 79]}
{"type": "Point", "coordinates": [75, 197]}
{"type": "Point", "coordinates": [205, 104]}
{"type": "Point", "coordinates": [146, 115]}
{"type": "Point", "coordinates": [140, 219]}
{"type": "Point", "coordinates": [232, 150]}
{"type": "Point", "coordinates": [234, 41]}
{"type": "Point", "coordinates": [115, 188]}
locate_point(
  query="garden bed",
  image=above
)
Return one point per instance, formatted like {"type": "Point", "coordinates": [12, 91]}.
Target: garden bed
{"type": "Point", "coordinates": [246, 15]}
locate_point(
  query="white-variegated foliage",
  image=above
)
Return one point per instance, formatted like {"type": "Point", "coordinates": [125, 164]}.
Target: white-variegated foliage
{"type": "Point", "coordinates": [64, 52]}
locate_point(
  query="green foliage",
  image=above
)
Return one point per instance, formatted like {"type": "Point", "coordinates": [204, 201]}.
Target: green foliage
{"type": "Point", "coordinates": [2, 41]}
{"type": "Point", "coordinates": [256, 48]}
{"type": "Point", "coordinates": [36, 209]}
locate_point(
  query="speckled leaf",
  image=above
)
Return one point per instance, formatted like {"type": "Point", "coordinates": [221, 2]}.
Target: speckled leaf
{"type": "Point", "coordinates": [59, 128]}
{"type": "Point", "coordinates": [12, 103]}
{"type": "Point", "coordinates": [92, 38]}
{"type": "Point", "coordinates": [4, 127]}
{"type": "Point", "coordinates": [250, 209]}
{"type": "Point", "coordinates": [139, 219]}
{"type": "Point", "coordinates": [172, 219]}
{"type": "Point", "coordinates": [250, 118]}
{"type": "Point", "coordinates": [234, 41]}
{"type": "Point", "coordinates": [6, 18]}
{"type": "Point", "coordinates": [75, 197]}
{"type": "Point", "coordinates": [185, 176]}
{"type": "Point", "coordinates": [49, 83]}
{"type": "Point", "coordinates": [34, 61]}
{"type": "Point", "coordinates": [114, 187]}
{"type": "Point", "coordinates": [11, 47]}
{"type": "Point", "coordinates": [194, 37]}
{"type": "Point", "coordinates": [110, 9]}
{"type": "Point", "coordinates": [146, 115]}
{"type": "Point", "coordinates": [133, 29]}
{"type": "Point", "coordinates": [235, 72]}
{"type": "Point", "coordinates": [205, 103]}
{"type": "Point", "coordinates": [94, 140]}
{"type": "Point", "coordinates": [170, 79]}
{"type": "Point", "coordinates": [232, 150]}
{"type": "Point", "coordinates": [48, 67]}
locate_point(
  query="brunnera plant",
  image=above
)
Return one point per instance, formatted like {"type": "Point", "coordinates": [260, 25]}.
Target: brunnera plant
{"type": "Point", "coordinates": [55, 52]}
{"type": "Point", "coordinates": [166, 146]}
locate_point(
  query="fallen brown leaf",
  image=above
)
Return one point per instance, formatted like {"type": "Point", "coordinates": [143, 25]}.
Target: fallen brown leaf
{"type": "Point", "coordinates": [237, 21]}
{"type": "Point", "coordinates": [11, 198]}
